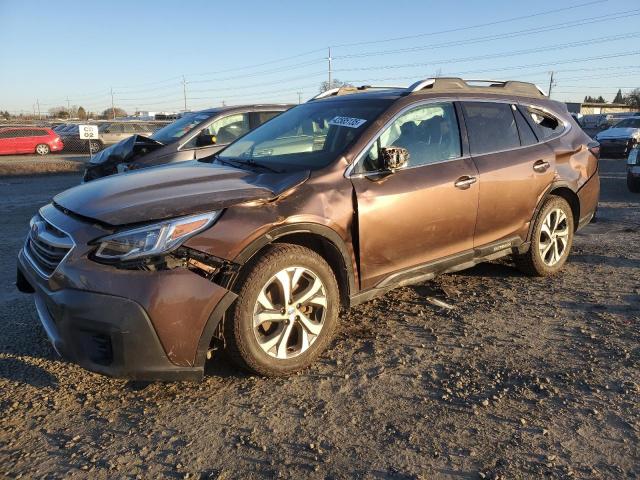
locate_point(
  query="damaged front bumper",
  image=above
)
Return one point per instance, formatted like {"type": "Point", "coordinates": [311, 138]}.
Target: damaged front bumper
{"type": "Point", "coordinates": [124, 323]}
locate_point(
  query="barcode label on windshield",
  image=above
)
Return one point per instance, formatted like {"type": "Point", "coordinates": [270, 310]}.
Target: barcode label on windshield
{"type": "Point", "coordinates": [347, 122]}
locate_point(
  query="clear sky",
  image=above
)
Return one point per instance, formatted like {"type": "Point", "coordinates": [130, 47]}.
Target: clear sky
{"type": "Point", "coordinates": [259, 51]}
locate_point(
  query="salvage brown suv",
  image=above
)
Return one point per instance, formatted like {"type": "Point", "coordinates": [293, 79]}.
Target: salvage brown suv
{"type": "Point", "coordinates": [338, 200]}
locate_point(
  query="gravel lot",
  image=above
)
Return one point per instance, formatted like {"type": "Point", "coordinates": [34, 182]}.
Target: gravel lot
{"type": "Point", "coordinates": [523, 378]}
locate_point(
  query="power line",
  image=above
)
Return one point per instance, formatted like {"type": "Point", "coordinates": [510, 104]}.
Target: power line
{"type": "Point", "coordinates": [501, 36]}
{"type": "Point", "coordinates": [501, 54]}
{"type": "Point", "coordinates": [479, 25]}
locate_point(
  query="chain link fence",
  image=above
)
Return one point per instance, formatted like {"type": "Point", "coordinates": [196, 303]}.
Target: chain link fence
{"type": "Point", "coordinates": [20, 135]}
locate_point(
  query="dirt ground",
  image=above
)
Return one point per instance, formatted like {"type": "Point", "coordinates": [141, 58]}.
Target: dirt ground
{"type": "Point", "coordinates": [523, 378]}
{"type": "Point", "coordinates": [32, 164]}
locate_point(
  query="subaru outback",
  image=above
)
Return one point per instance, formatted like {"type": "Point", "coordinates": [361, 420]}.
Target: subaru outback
{"type": "Point", "coordinates": [256, 249]}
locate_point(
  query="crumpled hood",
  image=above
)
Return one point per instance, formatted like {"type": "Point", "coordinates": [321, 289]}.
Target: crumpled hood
{"type": "Point", "coordinates": [171, 191]}
{"type": "Point", "coordinates": [619, 133]}
{"type": "Point", "coordinates": [125, 150]}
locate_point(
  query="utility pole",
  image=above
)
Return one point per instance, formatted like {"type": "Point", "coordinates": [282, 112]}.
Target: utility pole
{"type": "Point", "coordinates": [113, 108]}
{"type": "Point", "coordinates": [299, 97]}
{"type": "Point", "coordinates": [184, 92]}
{"type": "Point", "coordinates": [68, 106]}
{"type": "Point", "coordinates": [38, 104]}
{"type": "Point", "coordinates": [550, 83]}
{"type": "Point", "coordinates": [329, 87]}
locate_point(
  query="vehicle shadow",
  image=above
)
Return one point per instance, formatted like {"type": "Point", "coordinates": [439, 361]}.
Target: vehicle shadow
{"type": "Point", "coordinates": [17, 370]}
{"type": "Point", "coordinates": [500, 269]}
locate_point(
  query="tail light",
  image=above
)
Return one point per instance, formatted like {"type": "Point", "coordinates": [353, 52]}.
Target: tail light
{"type": "Point", "coordinates": [594, 148]}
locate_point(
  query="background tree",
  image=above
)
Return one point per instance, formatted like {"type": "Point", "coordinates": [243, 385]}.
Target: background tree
{"type": "Point", "coordinates": [108, 113]}
{"type": "Point", "coordinates": [619, 98]}
{"type": "Point", "coordinates": [59, 112]}
{"type": "Point", "coordinates": [335, 83]}
{"type": "Point", "coordinates": [633, 99]}
{"type": "Point", "coordinates": [5, 115]}
{"type": "Point", "coordinates": [81, 113]}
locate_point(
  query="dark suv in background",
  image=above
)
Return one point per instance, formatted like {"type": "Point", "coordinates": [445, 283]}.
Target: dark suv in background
{"type": "Point", "coordinates": [330, 204]}
{"type": "Point", "coordinates": [193, 136]}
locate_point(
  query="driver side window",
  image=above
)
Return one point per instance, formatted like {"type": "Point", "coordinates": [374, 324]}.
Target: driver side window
{"type": "Point", "coordinates": [429, 133]}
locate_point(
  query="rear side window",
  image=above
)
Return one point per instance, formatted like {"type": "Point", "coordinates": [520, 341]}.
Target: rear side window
{"type": "Point", "coordinates": [264, 116]}
{"type": "Point", "coordinates": [527, 137]}
{"type": "Point", "coordinates": [491, 127]}
{"type": "Point", "coordinates": [545, 125]}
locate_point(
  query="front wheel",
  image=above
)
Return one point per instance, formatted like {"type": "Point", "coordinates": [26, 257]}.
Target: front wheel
{"type": "Point", "coordinates": [42, 149]}
{"type": "Point", "coordinates": [633, 183]}
{"type": "Point", "coordinates": [551, 239]}
{"type": "Point", "coordinates": [286, 311]}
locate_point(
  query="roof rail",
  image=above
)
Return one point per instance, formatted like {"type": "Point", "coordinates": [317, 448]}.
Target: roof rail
{"type": "Point", "coordinates": [455, 84]}
{"type": "Point", "coordinates": [345, 90]}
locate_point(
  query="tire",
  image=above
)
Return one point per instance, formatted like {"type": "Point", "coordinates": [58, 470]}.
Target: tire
{"type": "Point", "coordinates": [95, 147]}
{"type": "Point", "coordinates": [551, 241]}
{"type": "Point", "coordinates": [633, 183]}
{"type": "Point", "coordinates": [42, 149]}
{"type": "Point", "coordinates": [277, 348]}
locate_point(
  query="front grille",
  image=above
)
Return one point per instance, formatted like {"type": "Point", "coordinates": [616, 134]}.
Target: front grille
{"type": "Point", "coordinates": [46, 245]}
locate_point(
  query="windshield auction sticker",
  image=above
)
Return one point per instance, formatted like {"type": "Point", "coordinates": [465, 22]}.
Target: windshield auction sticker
{"type": "Point", "coordinates": [347, 122]}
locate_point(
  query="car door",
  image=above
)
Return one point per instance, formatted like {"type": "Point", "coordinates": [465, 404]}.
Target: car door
{"type": "Point", "coordinates": [223, 130]}
{"type": "Point", "coordinates": [24, 140]}
{"type": "Point", "coordinates": [514, 169]}
{"type": "Point", "coordinates": [422, 212]}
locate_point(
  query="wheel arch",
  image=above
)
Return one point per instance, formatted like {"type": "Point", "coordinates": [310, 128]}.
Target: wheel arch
{"type": "Point", "coordinates": [319, 238]}
{"type": "Point", "coordinates": [564, 191]}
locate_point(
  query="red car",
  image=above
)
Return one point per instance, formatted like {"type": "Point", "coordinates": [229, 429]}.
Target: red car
{"type": "Point", "coordinates": [29, 140]}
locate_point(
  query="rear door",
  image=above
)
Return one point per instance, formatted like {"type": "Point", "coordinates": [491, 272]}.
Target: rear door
{"type": "Point", "coordinates": [25, 140]}
{"type": "Point", "coordinates": [420, 213]}
{"type": "Point", "coordinates": [514, 170]}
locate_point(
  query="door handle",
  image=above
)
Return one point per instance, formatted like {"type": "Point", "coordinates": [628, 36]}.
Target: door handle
{"type": "Point", "coordinates": [465, 182]}
{"type": "Point", "coordinates": [541, 166]}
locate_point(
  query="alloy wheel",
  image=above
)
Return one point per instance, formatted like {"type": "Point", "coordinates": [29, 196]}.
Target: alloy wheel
{"type": "Point", "coordinates": [289, 313]}
{"type": "Point", "coordinates": [554, 237]}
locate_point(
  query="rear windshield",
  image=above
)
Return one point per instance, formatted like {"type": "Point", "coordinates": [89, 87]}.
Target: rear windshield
{"type": "Point", "coordinates": [180, 127]}
{"type": "Point", "coordinates": [309, 136]}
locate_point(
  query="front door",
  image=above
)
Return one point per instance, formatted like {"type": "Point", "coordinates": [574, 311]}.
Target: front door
{"type": "Point", "coordinates": [420, 213]}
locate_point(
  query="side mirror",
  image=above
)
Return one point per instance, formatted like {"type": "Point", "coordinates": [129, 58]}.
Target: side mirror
{"type": "Point", "coordinates": [394, 158]}
{"type": "Point", "coordinates": [205, 139]}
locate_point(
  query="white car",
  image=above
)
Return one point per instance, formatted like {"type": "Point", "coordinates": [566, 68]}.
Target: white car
{"type": "Point", "coordinates": [619, 139]}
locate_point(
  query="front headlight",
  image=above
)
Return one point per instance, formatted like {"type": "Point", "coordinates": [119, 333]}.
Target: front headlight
{"type": "Point", "coordinates": [152, 240]}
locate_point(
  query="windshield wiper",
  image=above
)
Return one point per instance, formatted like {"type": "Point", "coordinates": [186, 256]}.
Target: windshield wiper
{"type": "Point", "coordinates": [235, 162]}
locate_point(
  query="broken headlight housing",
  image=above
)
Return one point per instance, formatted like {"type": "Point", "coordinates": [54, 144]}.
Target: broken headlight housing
{"type": "Point", "coordinates": [152, 240]}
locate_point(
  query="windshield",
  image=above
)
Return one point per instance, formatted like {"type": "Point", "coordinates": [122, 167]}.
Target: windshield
{"type": "Point", "coordinates": [309, 136]}
{"type": "Point", "coordinates": [628, 123]}
{"type": "Point", "coordinates": [180, 127]}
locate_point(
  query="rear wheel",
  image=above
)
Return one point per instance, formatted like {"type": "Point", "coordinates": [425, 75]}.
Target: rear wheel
{"type": "Point", "coordinates": [551, 239]}
{"type": "Point", "coordinates": [633, 183]}
{"type": "Point", "coordinates": [42, 149]}
{"type": "Point", "coordinates": [286, 311]}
